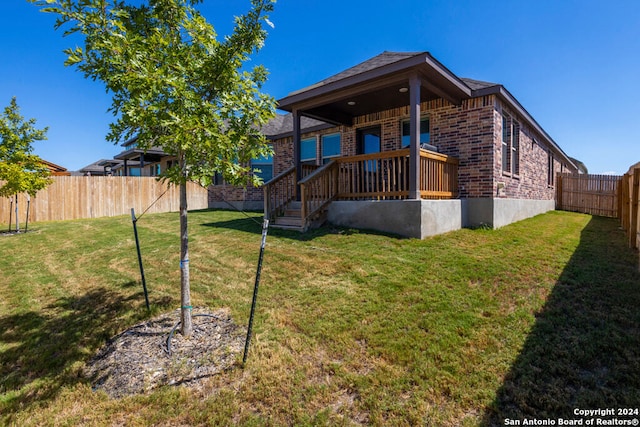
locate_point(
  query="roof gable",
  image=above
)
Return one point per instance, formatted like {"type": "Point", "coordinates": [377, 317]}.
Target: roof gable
{"type": "Point", "coordinates": [378, 61]}
{"type": "Point", "coordinates": [376, 84]}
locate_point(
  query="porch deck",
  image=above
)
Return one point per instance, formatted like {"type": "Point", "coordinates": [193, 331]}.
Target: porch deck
{"type": "Point", "coordinates": [379, 176]}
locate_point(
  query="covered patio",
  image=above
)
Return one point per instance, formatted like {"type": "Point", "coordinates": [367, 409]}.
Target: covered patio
{"type": "Point", "coordinates": [391, 80]}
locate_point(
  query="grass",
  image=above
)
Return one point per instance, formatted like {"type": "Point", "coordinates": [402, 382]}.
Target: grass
{"type": "Point", "coordinates": [468, 328]}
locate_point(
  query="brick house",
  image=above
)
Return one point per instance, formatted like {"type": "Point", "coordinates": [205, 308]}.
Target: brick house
{"type": "Point", "coordinates": [400, 144]}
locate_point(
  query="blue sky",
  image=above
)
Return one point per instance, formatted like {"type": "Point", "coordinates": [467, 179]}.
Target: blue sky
{"type": "Point", "coordinates": [572, 64]}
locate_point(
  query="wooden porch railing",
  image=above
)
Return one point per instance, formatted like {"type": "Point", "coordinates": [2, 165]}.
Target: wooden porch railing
{"type": "Point", "coordinates": [438, 176]}
{"type": "Point", "coordinates": [378, 176]}
{"type": "Point", "coordinates": [385, 176]}
{"type": "Point", "coordinates": [381, 176]}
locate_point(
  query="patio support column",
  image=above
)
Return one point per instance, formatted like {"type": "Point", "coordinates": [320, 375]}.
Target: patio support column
{"type": "Point", "coordinates": [126, 170]}
{"type": "Point", "coordinates": [296, 149]}
{"type": "Point", "coordinates": [414, 135]}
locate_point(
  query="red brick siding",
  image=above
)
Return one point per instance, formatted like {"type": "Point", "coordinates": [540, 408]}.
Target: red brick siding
{"type": "Point", "coordinates": [532, 180]}
{"type": "Point", "coordinates": [230, 193]}
{"type": "Point", "coordinates": [467, 132]}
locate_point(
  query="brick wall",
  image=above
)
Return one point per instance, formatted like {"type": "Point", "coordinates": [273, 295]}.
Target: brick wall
{"type": "Point", "coordinates": [532, 180]}
{"type": "Point", "coordinates": [467, 132]}
{"type": "Point", "coordinates": [229, 193]}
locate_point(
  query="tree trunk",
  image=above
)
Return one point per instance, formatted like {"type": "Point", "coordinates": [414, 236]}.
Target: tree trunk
{"type": "Point", "coordinates": [185, 294]}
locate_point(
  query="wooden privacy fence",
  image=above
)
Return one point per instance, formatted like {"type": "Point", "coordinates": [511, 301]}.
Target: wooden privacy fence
{"type": "Point", "coordinates": [76, 197]}
{"type": "Point", "coordinates": [630, 205]}
{"type": "Point", "coordinates": [590, 194]}
{"type": "Point", "coordinates": [604, 195]}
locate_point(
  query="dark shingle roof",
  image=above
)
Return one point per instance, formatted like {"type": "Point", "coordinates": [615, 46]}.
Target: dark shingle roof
{"type": "Point", "coordinates": [385, 58]}
{"type": "Point", "coordinates": [477, 84]}
{"type": "Point", "coordinates": [282, 125]}
{"type": "Point", "coordinates": [378, 61]}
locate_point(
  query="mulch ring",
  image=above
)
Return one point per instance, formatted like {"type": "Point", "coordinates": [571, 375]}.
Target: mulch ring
{"type": "Point", "coordinates": [138, 360]}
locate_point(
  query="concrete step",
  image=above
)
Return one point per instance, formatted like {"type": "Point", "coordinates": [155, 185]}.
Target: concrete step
{"type": "Point", "coordinates": [289, 221]}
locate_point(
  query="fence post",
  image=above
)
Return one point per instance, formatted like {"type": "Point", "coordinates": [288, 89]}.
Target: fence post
{"type": "Point", "coordinates": [635, 204]}
{"type": "Point", "coordinates": [559, 192]}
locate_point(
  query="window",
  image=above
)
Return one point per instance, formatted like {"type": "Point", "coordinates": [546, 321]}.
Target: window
{"type": "Point", "coordinates": [510, 145]}
{"type": "Point", "coordinates": [330, 147]}
{"type": "Point", "coordinates": [263, 167]}
{"type": "Point", "coordinates": [515, 149]}
{"type": "Point", "coordinates": [308, 150]}
{"type": "Point", "coordinates": [424, 132]}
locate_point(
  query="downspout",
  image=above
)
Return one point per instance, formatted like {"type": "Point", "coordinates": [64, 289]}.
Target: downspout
{"type": "Point", "coordinates": [414, 135]}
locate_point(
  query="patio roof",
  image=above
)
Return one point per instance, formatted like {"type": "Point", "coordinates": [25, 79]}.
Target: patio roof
{"type": "Point", "coordinates": [377, 84]}
{"type": "Point", "coordinates": [152, 155]}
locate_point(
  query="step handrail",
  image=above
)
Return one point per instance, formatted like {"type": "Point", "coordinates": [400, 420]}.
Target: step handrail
{"type": "Point", "coordinates": [318, 189]}
{"type": "Point", "coordinates": [279, 192]}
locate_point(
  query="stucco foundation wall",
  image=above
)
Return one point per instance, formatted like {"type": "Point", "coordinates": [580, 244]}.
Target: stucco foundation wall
{"type": "Point", "coordinates": [507, 211]}
{"type": "Point", "coordinates": [498, 212]}
{"type": "Point", "coordinates": [424, 218]}
{"type": "Point", "coordinates": [409, 218]}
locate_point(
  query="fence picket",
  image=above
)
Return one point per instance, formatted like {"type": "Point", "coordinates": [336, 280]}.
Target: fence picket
{"type": "Point", "coordinates": [590, 194]}
{"type": "Point", "coordinates": [76, 197]}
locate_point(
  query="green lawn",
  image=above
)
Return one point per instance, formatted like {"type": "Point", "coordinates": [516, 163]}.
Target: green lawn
{"type": "Point", "coordinates": [469, 328]}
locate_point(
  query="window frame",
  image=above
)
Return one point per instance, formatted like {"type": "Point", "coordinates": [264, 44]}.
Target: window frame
{"type": "Point", "coordinates": [328, 158]}
{"type": "Point", "coordinates": [510, 145]}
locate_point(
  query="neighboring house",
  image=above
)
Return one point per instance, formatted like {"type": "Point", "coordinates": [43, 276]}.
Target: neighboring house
{"type": "Point", "coordinates": [103, 167]}
{"type": "Point", "coordinates": [582, 169]}
{"type": "Point", "coordinates": [138, 162]}
{"type": "Point", "coordinates": [400, 144]}
{"type": "Point", "coordinates": [56, 170]}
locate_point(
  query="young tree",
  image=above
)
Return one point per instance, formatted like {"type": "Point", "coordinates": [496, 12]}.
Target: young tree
{"type": "Point", "coordinates": [20, 170]}
{"type": "Point", "coordinates": [176, 86]}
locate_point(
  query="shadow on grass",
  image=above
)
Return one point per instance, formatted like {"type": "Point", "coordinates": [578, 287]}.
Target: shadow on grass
{"type": "Point", "coordinates": [584, 350]}
{"type": "Point", "coordinates": [253, 224]}
{"type": "Point", "coordinates": [42, 347]}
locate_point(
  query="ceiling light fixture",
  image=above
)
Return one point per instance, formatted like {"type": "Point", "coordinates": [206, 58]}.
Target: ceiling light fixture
{"type": "Point", "coordinates": [403, 90]}
{"type": "Point", "coordinates": [351, 103]}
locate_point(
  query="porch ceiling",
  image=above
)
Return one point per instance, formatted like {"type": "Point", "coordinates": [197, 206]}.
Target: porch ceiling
{"type": "Point", "coordinates": [376, 85]}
